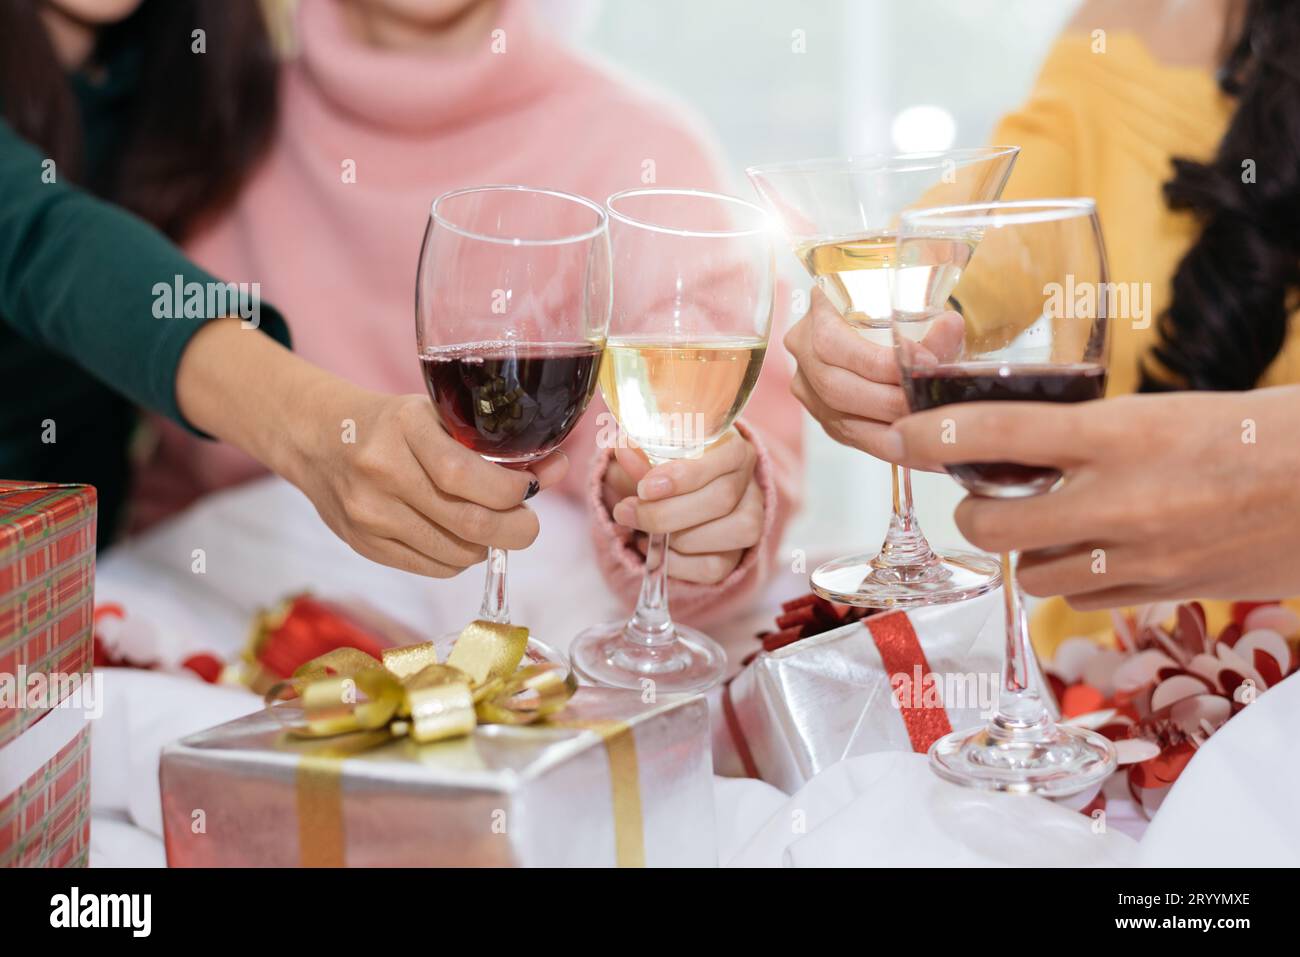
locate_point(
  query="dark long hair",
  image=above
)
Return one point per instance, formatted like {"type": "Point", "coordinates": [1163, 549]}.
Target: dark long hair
{"type": "Point", "coordinates": [1233, 290]}
{"type": "Point", "coordinates": [199, 123]}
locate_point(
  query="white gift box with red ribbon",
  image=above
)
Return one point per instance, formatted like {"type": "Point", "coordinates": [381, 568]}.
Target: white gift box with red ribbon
{"type": "Point", "coordinates": [895, 681]}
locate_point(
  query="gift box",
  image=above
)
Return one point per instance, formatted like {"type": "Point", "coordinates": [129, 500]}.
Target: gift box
{"type": "Point", "coordinates": [892, 681]}
{"type": "Point", "coordinates": [47, 578]}
{"type": "Point", "coordinates": [610, 780]}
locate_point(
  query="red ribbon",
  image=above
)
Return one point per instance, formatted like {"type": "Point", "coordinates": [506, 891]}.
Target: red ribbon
{"type": "Point", "coordinates": [900, 653]}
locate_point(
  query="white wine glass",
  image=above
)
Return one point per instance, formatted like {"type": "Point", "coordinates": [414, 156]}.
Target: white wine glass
{"type": "Point", "coordinates": [691, 316]}
{"type": "Point", "coordinates": [841, 215]}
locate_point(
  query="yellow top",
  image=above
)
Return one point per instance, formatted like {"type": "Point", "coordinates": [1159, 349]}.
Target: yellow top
{"type": "Point", "coordinates": [1106, 125]}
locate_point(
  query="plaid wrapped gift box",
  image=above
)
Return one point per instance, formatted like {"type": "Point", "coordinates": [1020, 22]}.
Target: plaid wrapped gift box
{"type": "Point", "coordinates": [47, 576]}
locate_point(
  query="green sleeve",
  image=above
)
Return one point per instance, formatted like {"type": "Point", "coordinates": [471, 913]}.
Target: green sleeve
{"type": "Point", "coordinates": [85, 279]}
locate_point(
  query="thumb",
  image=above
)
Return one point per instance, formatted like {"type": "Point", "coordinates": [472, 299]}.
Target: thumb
{"type": "Point", "coordinates": [946, 336]}
{"type": "Point", "coordinates": [634, 463]}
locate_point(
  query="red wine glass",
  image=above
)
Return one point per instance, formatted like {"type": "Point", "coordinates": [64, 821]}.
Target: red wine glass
{"type": "Point", "coordinates": [512, 306]}
{"type": "Point", "coordinates": [1012, 303]}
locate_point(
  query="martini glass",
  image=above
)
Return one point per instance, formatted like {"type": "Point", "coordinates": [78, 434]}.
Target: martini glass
{"type": "Point", "coordinates": [841, 216]}
{"type": "Point", "coordinates": [512, 304]}
{"type": "Point", "coordinates": [996, 326]}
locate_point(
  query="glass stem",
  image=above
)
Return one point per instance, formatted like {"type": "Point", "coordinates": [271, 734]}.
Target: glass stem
{"type": "Point", "coordinates": [905, 543]}
{"type": "Point", "coordinates": [495, 607]}
{"type": "Point", "coordinates": [651, 624]}
{"type": "Point", "coordinates": [1020, 704]}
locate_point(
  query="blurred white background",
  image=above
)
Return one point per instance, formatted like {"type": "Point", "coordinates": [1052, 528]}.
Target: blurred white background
{"type": "Point", "coordinates": [792, 79]}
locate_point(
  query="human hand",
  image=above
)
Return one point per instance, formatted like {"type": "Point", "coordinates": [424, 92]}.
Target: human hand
{"type": "Point", "coordinates": [1186, 495]}
{"type": "Point", "coordinates": [712, 505]}
{"type": "Point", "coordinates": [849, 383]}
{"type": "Point", "coordinates": [406, 494]}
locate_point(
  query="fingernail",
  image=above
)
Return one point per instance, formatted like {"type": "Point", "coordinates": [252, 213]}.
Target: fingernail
{"type": "Point", "coordinates": [654, 486]}
{"type": "Point", "coordinates": [891, 446]}
{"type": "Point", "coordinates": [533, 488]}
{"type": "Point", "coordinates": [624, 513]}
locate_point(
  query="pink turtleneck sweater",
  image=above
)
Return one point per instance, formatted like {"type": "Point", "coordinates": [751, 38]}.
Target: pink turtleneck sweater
{"type": "Point", "coordinates": [339, 258]}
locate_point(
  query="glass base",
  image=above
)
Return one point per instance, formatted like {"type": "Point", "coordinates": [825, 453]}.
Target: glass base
{"type": "Point", "coordinates": [1052, 760]}
{"type": "Point", "coordinates": [869, 581]}
{"type": "Point", "coordinates": [691, 662]}
{"type": "Point", "coordinates": [537, 652]}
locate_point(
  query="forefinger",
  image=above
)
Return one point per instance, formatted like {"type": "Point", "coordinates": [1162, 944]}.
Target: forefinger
{"type": "Point", "coordinates": [865, 352]}
{"type": "Point", "coordinates": [730, 453]}
{"type": "Point", "coordinates": [1032, 433]}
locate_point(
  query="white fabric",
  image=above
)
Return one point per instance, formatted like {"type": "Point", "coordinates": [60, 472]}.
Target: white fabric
{"type": "Point", "coordinates": [1235, 802]}
{"type": "Point", "coordinates": [888, 809]}
{"type": "Point", "coordinates": [116, 842]}
{"type": "Point", "coordinates": [143, 711]}
{"type": "Point", "coordinates": [258, 543]}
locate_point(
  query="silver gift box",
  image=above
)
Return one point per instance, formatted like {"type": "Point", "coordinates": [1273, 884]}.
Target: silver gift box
{"type": "Point", "coordinates": [609, 781]}
{"type": "Point", "coordinates": [819, 700]}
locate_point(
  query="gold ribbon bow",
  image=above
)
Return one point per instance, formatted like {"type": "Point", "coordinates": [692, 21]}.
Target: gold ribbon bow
{"type": "Point", "coordinates": [411, 693]}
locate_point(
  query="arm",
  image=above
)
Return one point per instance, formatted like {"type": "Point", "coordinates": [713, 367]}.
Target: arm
{"type": "Point", "coordinates": [78, 276]}
{"type": "Point", "coordinates": [380, 470]}
{"type": "Point", "coordinates": [86, 279]}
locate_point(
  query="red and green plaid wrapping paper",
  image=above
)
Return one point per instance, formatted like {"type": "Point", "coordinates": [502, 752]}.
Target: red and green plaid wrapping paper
{"type": "Point", "coordinates": [46, 822]}
{"type": "Point", "coordinates": [47, 580]}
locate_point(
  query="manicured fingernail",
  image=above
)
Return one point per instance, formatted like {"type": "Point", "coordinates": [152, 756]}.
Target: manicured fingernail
{"type": "Point", "coordinates": [891, 446]}
{"type": "Point", "coordinates": [654, 486]}
{"type": "Point", "coordinates": [624, 513]}
{"type": "Point", "coordinates": [533, 488]}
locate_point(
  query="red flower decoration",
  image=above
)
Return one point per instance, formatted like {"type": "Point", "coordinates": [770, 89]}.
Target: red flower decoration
{"type": "Point", "coordinates": [1165, 689]}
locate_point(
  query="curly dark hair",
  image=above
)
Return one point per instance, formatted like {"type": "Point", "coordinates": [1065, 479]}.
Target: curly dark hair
{"type": "Point", "coordinates": [1233, 290]}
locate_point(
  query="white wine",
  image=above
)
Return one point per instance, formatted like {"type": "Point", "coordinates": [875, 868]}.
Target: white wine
{"type": "Point", "coordinates": [855, 275]}
{"type": "Point", "coordinates": [673, 399]}
{"type": "Point", "coordinates": [858, 275]}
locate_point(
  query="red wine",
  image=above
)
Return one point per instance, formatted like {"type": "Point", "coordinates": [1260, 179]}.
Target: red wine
{"type": "Point", "coordinates": [511, 402]}
{"type": "Point", "coordinates": [931, 387]}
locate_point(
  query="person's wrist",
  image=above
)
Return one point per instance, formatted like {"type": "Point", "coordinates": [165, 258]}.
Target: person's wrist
{"type": "Point", "coordinates": [319, 411]}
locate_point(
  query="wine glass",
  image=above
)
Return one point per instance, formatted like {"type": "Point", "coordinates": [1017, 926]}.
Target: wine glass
{"type": "Point", "coordinates": [693, 280]}
{"type": "Point", "coordinates": [841, 216]}
{"type": "Point", "coordinates": [512, 304]}
{"type": "Point", "coordinates": [1010, 302]}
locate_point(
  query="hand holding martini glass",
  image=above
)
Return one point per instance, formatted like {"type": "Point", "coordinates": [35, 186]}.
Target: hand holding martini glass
{"type": "Point", "coordinates": [842, 217]}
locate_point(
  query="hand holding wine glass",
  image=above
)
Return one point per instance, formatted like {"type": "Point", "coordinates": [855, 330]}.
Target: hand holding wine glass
{"type": "Point", "coordinates": [1164, 487]}
{"type": "Point", "coordinates": [995, 273]}
{"type": "Point", "coordinates": [848, 383]}
{"type": "Point", "coordinates": [692, 311]}
{"type": "Point", "coordinates": [393, 485]}
{"type": "Point", "coordinates": [842, 218]}
{"type": "Point", "coordinates": [711, 507]}
{"type": "Point", "coordinates": [512, 305]}
{"type": "Point", "coordinates": [406, 494]}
